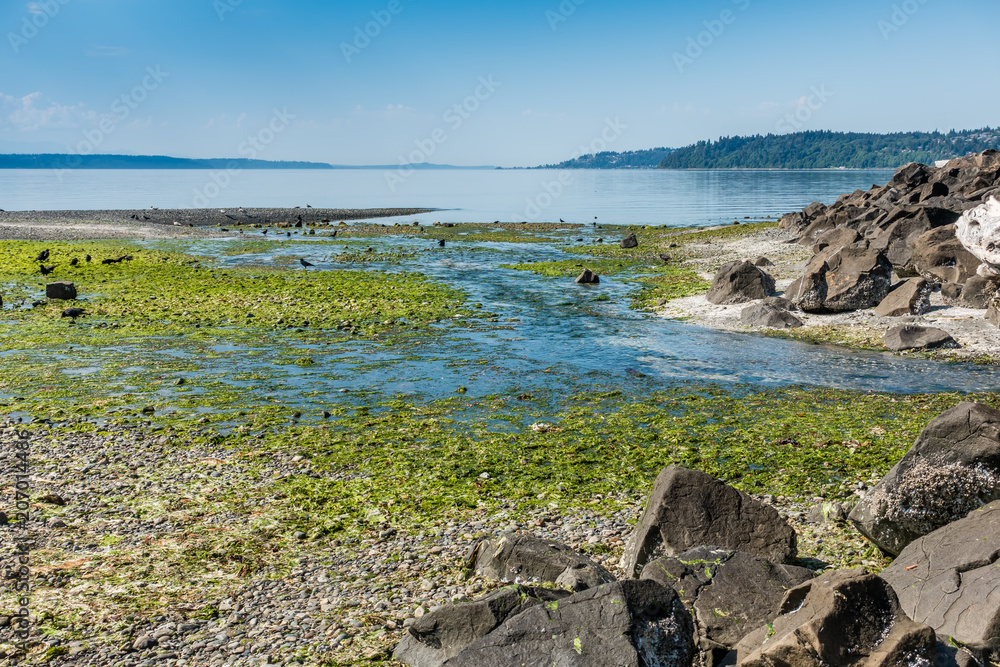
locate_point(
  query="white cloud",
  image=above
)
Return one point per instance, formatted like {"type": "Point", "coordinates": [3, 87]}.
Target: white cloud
{"type": "Point", "coordinates": [36, 112]}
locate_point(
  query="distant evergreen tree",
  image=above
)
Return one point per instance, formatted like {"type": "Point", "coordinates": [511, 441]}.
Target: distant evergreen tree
{"type": "Point", "coordinates": [822, 149]}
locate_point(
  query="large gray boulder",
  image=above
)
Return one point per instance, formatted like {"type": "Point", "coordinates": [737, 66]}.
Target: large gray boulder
{"type": "Point", "coordinates": [845, 618]}
{"type": "Point", "coordinates": [730, 593]}
{"type": "Point", "coordinates": [521, 558]}
{"type": "Point", "coordinates": [953, 468]}
{"type": "Point", "coordinates": [624, 624]}
{"type": "Point", "coordinates": [912, 337]}
{"type": "Point", "coordinates": [445, 631]}
{"type": "Point", "coordinates": [769, 316]}
{"type": "Point", "coordinates": [950, 579]}
{"type": "Point", "coordinates": [910, 297]}
{"type": "Point", "coordinates": [740, 282]}
{"type": "Point", "coordinates": [853, 278]}
{"type": "Point", "coordinates": [688, 509]}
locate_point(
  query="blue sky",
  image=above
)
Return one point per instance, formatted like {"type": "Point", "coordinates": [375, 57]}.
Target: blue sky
{"type": "Point", "coordinates": [534, 82]}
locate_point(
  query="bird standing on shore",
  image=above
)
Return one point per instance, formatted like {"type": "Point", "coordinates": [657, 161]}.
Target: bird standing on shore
{"type": "Point", "coordinates": [305, 264]}
{"type": "Point", "coordinates": [46, 270]}
{"type": "Point", "coordinates": [42, 256]}
{"type": "Point", "coordinates": [441, 243]}
{"type": "Point", "coordinates": [73, 313]}
{"type": "Point", "coordinates": [74, 261]}
{"type": "Point", "coordinates": [87, 258]}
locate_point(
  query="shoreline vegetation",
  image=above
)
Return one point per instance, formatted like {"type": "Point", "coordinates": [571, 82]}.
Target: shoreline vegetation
{"type": "Point", "coordinates": [181, 518]}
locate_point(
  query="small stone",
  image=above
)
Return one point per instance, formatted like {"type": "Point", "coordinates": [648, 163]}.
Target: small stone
{"type": "Point", "coordinates": [142, 643]}
{"type": "Point", "coordinates": [299, 535]}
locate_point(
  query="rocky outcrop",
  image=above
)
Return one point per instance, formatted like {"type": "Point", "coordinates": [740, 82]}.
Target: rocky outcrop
{"type": "Point", "coordinates": [910, 297]}
{"type": "Point", "coordinates": [740, 282]}
{"type": "Point", "coordinates": [843, 618]}
{"type": "Point", "coordinates": [912, 337]}
{"type": "Point", "coordinates": [730, 593]}
{"type": "Point", "coordinates": [588, 277]}
{"type": "Point", "coordinates": [950, 579]}
{"type": "Point", "coordinates": [952, 469]}
{"type": "Point", "coordinates": [523, 558]}
{"type": "Point", "coordinates": [911, 221]}
{"type": "Point", "coordinates": [688, 509]}
{"type": "Point", "coordinates": [853, 278]}
{"type": "Point", "coordinates": [445, 631]}
{"type": "Point", "coordinates": [628, 623]}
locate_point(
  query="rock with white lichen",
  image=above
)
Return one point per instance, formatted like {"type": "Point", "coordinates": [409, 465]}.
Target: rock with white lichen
{"type": "Point", "coordinates": [952, 469]}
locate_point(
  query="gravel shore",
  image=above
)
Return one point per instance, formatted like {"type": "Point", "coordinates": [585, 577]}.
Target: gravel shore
{"type": "Point", "coordinates": [131, 568]}
{"type": "Point", "coordinates": [168, 223]}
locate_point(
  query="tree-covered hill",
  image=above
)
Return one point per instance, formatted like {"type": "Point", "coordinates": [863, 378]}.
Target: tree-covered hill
{"type": "Point", "coordinates": [645, 159]}
{"type": "Point", "coordinates": [824, 150]}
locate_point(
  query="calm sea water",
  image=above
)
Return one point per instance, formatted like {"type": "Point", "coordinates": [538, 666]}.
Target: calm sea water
{"type": "Point", "coordinates": [674, 198]}
{"type": "Point", "coordinates": [550, 333]}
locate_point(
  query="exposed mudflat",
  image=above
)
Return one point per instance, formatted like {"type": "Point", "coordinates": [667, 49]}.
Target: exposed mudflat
{"type": "Point", "coordinates": [169, 223]}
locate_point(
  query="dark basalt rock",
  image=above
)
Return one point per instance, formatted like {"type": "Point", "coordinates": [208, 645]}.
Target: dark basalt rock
{"type": "Point", "coordinates": [846, 618]}
{"type": "Point", "coordinates": [627, 624]}
{"type": "Point", "coordinates": [740, 282]}
{"type": "Point", "coordinates": [688, 508]}
{"type": "Point", "coordinates": [730, 593]}
{"type": "Point", "coordinates": [913, 337]}
{"type": "Point", "coordinates": [522, 559]}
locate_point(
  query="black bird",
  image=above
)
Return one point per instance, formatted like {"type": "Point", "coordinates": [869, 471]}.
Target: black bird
{"type": "Point", "coordinates": [46, 270]}
{"type": "Point", "coordinates": [288, 234]}
{"type": "Point", "coordinates": [334, 235]}
{"type": "Point", "coordinates": [305, 264]}
{"type": "Point", "coordinates": [74, 261]}
{"type": "Point", "coordinates": [561, 220]}
{"type": "Point", "coordinates": [42, 256]}
{"type": "Point", "coordinates": [73, 313]}
{"type": "Point", "coordinates": [441, 243]}
{"type": "Point", "coordinates": [87, 258]}
{"type": "Point", "coordinates": [109, 261]}
{"type": "Point", "coordinates": [265, 232]}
